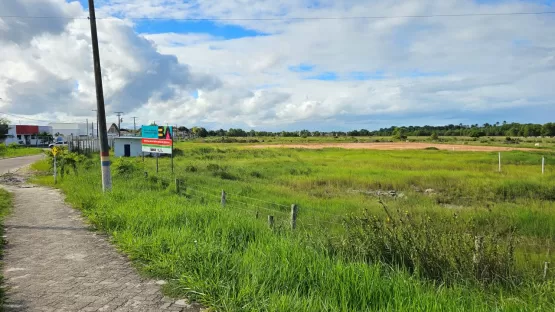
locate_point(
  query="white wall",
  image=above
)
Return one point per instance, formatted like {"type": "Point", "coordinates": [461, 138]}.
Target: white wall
{"type": "Point", "coordinates": [67, 129]}
{"type": "Point", "coordinates": [136, 147]}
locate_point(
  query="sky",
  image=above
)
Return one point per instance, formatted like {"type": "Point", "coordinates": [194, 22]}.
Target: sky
{"type": "Point", "coordinates": [230, 69]}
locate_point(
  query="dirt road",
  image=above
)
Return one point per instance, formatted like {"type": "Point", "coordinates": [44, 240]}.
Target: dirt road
{"type": "Point", "coordinates": [397, 146]}
{"type": "Point", "coordinates": [12, 164]}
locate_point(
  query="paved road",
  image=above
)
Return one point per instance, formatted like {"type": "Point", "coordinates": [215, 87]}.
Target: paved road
{"type": "Point", "coordinates": [53, 262]}
{"type": "Point", "coordinates": [12, 164]}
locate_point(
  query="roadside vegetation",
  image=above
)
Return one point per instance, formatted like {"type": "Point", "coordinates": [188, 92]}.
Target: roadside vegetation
{"type": "Point", "coordinates": [424, 230]}
{"type": "Point", "coordinates": [16, 150]}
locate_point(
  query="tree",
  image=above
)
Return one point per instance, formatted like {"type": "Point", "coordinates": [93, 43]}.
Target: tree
{"type": "Point", "coordinates": [434, 136]}
{"type": "Point", "coordinates": [548, 129]}
{"type": "Point", "coordinates": [183, 129]}
{"type": "Point", "coordinates": [399, 134]}
{"type": "Point", "coordinates": [4, 128]}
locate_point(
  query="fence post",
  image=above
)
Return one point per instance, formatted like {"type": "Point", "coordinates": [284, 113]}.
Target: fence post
{"type": "Point", "coordinates": [55, 170]}
{"type": "Point", "coordinates": [271, 222]}
{"type": "Point", "coordinates": [478, 252]}
{"type": "Point", "coordinates": [294, 211]}
{"type": "Point", "coordinates": [223, 198]}
{"type": "Point", "coordinates": [257, 214]}
{"type": "Point", "coordinates": [545, 267]}
{"type": "Point", "coordinates": [499, 161]}
{"type": "Point", "coordinates": [543, 164]}
{"type": "Point", "coordinates": [177, 182]}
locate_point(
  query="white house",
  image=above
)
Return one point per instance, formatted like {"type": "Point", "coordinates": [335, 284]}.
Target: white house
{"type": "Point", "coordinates": [128, 146]}
{"type": "Point", "coordinates": [27, 134]}
{"type": "Point", "coordinates": [68, 129]}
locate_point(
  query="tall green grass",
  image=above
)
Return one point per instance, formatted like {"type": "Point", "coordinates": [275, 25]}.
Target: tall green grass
{"type": "Point", "coordinates": [228, 259]}
{"type": "Point", "coordinates": [18, 151]}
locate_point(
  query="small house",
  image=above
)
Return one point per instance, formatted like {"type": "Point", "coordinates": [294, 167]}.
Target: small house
{"type": "Point", "coordinates": [128, 146]}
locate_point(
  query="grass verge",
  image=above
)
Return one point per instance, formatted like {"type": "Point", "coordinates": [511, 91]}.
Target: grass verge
{"type": "Point", "coordinates": [230, 260]}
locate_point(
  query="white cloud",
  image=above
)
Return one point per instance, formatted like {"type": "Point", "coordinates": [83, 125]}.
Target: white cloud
{"type": "Point", "coordinates": [467, 66]}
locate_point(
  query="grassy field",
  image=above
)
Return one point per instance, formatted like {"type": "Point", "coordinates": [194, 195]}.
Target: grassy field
{"type": "Point", "coordinates": [5, 205]}
{"type": "Point", "coordinates": [13, 151]}
{"type": "Point", "coordinates": [545, 143]}
{"type": "Point", "coordinates": [377, 230]}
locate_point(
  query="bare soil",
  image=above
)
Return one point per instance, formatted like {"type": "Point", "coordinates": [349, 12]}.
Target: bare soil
{"type": "Point", "coordinates": [397, 146]}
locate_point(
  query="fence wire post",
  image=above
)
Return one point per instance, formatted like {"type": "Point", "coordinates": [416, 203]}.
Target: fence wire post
{"type": "Point", "coordinates": [478, 251]}
{"type": "Point", "coordinates": [223, 198]}
{"type": "Point", "coordinates": [543, 164]}
{"type": "Point", "coordinates": [294, 211]}
{"type": "Point", "coordinates": [271, 222]}
{"type": "Point", "coordinates": [177, 182]}
{"type": "Point", "coordinates": [545, 268]}
{"type": "Point", "coordinates": [257, 214]}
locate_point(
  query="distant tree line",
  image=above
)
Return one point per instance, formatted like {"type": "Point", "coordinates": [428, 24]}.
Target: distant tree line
{"type": "Point", "coordinates": [495, 129]}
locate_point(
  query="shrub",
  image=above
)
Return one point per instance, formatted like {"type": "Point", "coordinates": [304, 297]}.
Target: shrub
{"type": "Point", "coordinates": [222, 174]}
{"type": "Point", "coordinates": [436, 248]}
{"type": "Point", "coordinates": [256, 174]}
{"type": "Point", "coordinates": [124, 166]}
{"type": "Point", "coordinates": [432, 148]}
{"type": "Point", "coordinates": [213, 167]}
{"type": "Point", "coordinates": [191, 168]}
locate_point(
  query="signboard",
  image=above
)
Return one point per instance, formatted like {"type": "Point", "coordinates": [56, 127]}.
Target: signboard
{"type": "Point", "coordinates": [157, 146]}
{"type": "Point", "coordinates": [157, 139]}
{"type": "Point", "coordinates": [157, 132]}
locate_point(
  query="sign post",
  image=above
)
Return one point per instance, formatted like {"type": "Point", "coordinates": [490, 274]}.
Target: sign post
{"type": "Point", "coordinates": [55, 152]}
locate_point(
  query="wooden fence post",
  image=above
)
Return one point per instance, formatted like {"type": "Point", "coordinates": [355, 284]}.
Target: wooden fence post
{"type": "Point", "coordinates": [478, 253]}
{"type": "Point", "coordinates": [223, 198]}
{"type": "Point", "coordinates": [257, 214]}
{"type": "Point", "coordinates": [545, 268]}
{"type": "Point", "coordinates": [177, 182]}
{"type": "Point", "coordinates": [499, 161]}
{"type": "Point", "coordinates": [271, 222]}
{"type": "Point", "coordinates": [543, 164]}
{"type": "Point", "coordinates": [294, 211]}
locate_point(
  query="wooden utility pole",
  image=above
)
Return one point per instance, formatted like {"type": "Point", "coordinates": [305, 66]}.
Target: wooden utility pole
{"type": "Point", "coordinates": [96, 111]}
{"type": "Point", "coordinates": [101, 112]}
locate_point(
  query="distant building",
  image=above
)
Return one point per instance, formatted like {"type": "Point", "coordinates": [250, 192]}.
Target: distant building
{"type": "Point", "coordinates": [127, 146]}
{"type": "Point", "coordinates": [71, 129]}
{"type": "Point", "coordinates": [27, 134]}
{"type": "Point", "coordinates": [113, 130]}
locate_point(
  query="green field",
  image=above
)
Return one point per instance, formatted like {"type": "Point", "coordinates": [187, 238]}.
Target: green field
{"type": "Point", "coordinates": [18, 151]}
{"type": "Point", "coordinates": [517, 142]}
{"type": "Point", "coordinates": [377, 230]}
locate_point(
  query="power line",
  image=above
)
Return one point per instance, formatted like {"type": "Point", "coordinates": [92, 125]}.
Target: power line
{"type": "Point", "coordinates": [284, 18]}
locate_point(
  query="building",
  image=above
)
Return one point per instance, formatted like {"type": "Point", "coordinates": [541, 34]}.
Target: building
{"type": "Point", "coordinates": [71, 129]}
{"type": "Point", "coordinates": [128, 146]}
{"type": "Point", "coordinates": [113, 130]}
{"type": "Point", "coordinates": [28, 135]}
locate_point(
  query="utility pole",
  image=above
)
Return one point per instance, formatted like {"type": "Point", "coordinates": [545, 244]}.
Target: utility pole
{"type": "Point", "coordinates": [101, 112]}
{"type": "Point", "coordinates": [134, 126]}
{"type": "Point", "coordinates": [87, 127]}
{"type": "Point", "coordinates": [119, 122]}
{"type": "Point", "coordinates": [96, 111]}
